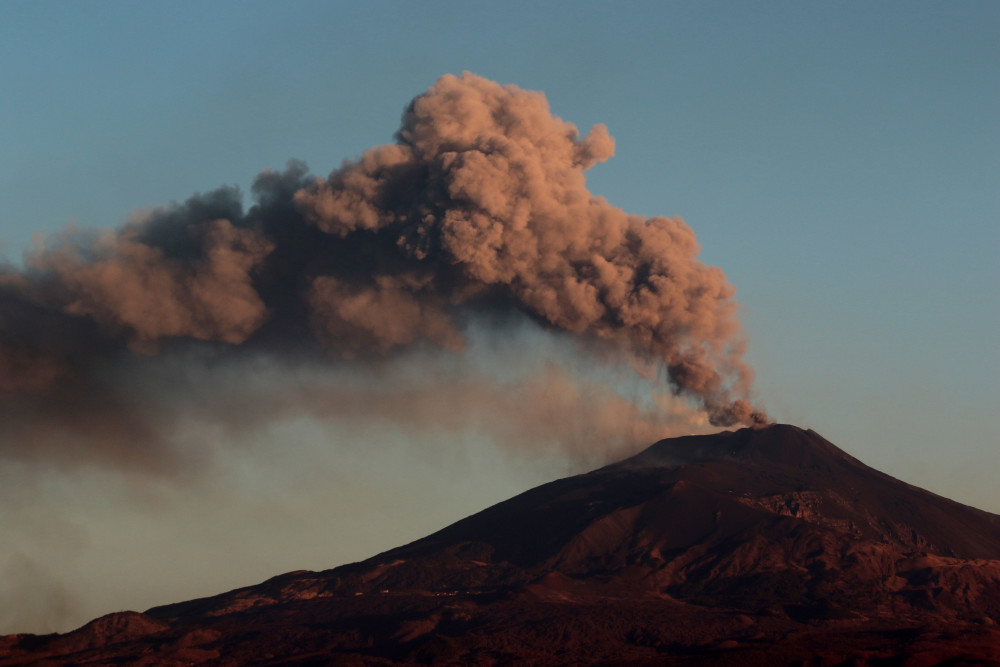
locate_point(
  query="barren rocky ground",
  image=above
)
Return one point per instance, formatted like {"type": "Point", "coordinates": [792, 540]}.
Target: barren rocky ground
{"type": "Point", "coordinates": [764, 546]}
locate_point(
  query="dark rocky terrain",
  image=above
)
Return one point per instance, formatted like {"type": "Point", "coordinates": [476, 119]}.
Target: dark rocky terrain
{"type": "Point", "coordinates": [761, 546]}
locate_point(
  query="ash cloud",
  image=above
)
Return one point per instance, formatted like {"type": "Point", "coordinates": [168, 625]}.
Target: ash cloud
{"type": "Point", "coordinates": [479, 209]}
{"type": "Point", "coordinates": [34, 599]}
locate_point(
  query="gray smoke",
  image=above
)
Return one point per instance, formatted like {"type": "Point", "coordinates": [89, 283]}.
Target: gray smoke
{"type": "Point", "coordinates": [480, 209]}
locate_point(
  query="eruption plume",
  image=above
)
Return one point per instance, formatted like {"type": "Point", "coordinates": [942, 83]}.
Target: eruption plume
{"type": "Point", "coordinates": [480, 206]}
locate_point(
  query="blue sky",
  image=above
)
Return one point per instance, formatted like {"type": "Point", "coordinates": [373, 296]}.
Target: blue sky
{"type": "Point", "coordinates": [839, 161]}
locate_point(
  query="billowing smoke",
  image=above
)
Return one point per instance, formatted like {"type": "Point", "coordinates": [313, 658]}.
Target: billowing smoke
{"type": "Point", "coordinates": [479, 210]}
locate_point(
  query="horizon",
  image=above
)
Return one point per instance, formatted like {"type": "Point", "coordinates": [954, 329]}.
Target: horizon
{"type": "Point", "coordinates": [837, 163]}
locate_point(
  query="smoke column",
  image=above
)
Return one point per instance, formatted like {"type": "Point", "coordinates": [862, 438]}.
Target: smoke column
{"type": "Point", "coordinates": [480, 207]}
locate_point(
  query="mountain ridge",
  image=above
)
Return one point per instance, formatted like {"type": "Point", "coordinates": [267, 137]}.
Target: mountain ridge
{"type": "Point", "coordinates": [764, 544]}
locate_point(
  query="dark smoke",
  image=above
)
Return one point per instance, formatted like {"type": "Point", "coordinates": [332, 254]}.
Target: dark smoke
{"type": "Point", "coordinates": [480, 206]}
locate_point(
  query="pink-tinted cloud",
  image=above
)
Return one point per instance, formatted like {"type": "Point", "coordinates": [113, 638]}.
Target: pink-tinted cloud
{"type": "Point", "coordinates": [480, 207]}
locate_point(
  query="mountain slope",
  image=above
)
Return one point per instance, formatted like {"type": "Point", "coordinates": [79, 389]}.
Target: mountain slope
{"type": "Point", "coordinates": [769, 546]}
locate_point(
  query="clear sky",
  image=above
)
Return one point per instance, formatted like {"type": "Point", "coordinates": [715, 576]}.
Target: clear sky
{"type": "Point", "coordinates": [840, 162]}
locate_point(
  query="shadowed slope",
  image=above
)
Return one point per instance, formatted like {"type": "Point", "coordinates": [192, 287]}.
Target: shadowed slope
{"type": "Point", "coordinates": [767, 546]}
{"type": "Point", "coordinates": [685, 490]}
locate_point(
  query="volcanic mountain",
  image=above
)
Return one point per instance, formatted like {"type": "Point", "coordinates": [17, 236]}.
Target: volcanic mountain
{"type": "Point", "coordinates": [766, 546]}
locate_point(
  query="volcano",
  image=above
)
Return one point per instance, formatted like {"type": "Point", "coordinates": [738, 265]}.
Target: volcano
{"type": "Point", "coordinates": [764, 546]}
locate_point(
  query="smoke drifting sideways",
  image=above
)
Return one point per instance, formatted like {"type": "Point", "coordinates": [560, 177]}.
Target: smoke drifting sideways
{"type": "Point", "coordinates": [478, 212]}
